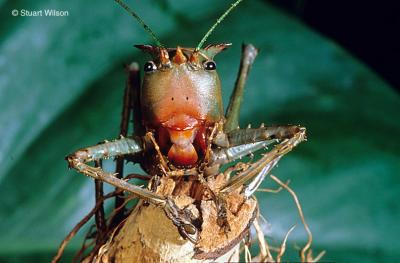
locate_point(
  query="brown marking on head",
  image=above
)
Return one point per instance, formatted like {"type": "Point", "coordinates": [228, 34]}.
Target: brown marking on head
{"type": "Point", "coordinates": [164, 57]}
{"type": "Point", "coordinates": [161, 56]}
{"type": "Point", "coordinates": [179, 57]}
{"type": "Point", "coordinates": [194, 58]}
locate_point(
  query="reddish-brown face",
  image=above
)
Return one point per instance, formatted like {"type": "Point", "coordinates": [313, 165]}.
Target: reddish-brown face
{"type": "Point", "coordinates": [180, 100]}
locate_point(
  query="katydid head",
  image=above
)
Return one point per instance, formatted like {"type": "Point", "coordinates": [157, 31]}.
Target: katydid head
{"type": "Point", "coordinates": [180, 99]}
{"type": "Point", "coordinates": [181, 95]}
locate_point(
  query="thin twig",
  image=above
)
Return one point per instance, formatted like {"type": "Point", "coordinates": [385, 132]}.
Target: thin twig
{"type": "Point", "coordinates": [283, 245]}
{"type": "Point", "coordinates": [320, 255]}
{"type": "Point", "coordinates": [79, 225]}
{"type": "Point", "coordinates": [78, 256]}
{"type": "Point", "coordinates": [296, 200]}
{"type": "Point", "coordinates": [137, 176]}
{"type": "Point", "coordinates": [89, 234]}
{"type": "Point", "coordinates": [122, 206]}
{"type": "Point", "coordinates": [247, 254]}
{"type": "Point", "coordinates": [99, 215]}
{"type": "Point", "coordinates": [274, 191]}
{"type": "Point", "coordinates": [100, 247]}
{"type": "Point", "coordinates": [73, 233]}
{"type": "Point", "coordinates": [264, 250]}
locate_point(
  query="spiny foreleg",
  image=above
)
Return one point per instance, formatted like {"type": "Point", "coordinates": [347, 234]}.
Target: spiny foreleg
{"type": "Point", "coordinates": [120, 147]}
{"type": "Point", "coordinates": [255, 174]}
{"type": "Point", "coordinates": [242, 142]}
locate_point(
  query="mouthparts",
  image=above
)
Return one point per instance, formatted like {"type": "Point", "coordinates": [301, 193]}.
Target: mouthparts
{"type": "Point", "coordinates": [183, 139]}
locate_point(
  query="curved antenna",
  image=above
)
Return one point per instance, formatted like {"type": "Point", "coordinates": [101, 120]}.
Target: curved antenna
{"type": "Point", "coordinates": [141, 22]}
{"type": "Point", "coordinates": [216, 23]}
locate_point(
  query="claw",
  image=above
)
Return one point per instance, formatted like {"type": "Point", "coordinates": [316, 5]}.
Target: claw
{"type": "Point", "coordinates": [182, 219]}
{"type": "Point", "coordinates": [222, 221]}
{"type": "Point", "coordinates": [222, 214]}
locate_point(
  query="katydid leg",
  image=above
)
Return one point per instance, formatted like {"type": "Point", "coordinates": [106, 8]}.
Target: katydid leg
{"type": "Point", "coordinates": [129, 102]}
{"type": "Point", "coordinates": [258, 170]}
{"type": "Point", "coordinates": [243, 142]}
{"type": "Point", "coordinates": [121, 147]}
{"type": "Point", "coordinates": [249, 53]}
{"type": "Point", "coordinates": [250, 135]}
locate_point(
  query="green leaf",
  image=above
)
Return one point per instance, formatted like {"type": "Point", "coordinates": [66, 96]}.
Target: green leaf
{"type": "Point", "coordinates": [61, 83]}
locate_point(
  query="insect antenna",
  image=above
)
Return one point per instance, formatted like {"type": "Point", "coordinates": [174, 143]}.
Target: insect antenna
{"type": "Point", "coordinates": [141, 22]}
{"type": "Point", "coordinates": [219, 20]}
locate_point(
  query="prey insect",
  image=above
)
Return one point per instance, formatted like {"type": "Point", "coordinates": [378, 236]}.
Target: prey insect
{"type": "Point", "coordinates": [182, 139]}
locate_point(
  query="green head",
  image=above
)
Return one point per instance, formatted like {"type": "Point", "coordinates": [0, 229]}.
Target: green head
{"type": "Point", "coordinates": [180, 96]}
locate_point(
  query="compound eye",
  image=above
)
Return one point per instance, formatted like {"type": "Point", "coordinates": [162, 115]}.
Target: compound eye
{"type": "Point", "coordinates": [149, 66]}
{"type": "Point", "coordinates": [210, 65]}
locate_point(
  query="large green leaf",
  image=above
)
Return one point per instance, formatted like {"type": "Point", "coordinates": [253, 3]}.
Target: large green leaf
{"type": "Point", "coordinates": [61, 83]}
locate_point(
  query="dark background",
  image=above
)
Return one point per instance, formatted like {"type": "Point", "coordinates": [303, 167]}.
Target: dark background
{"type": "Point", "coordinates": [367, 29]}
